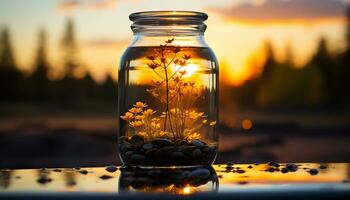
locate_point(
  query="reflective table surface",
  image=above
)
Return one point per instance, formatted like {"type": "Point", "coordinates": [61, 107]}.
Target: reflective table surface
{"type": "Point", "coordinates": [227, 181]}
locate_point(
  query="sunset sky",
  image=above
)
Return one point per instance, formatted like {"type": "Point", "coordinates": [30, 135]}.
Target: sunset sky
{"type": "Point", "coordinates": [103, 29]}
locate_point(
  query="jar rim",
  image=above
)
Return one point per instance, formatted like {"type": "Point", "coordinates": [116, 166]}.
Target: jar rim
{"type": "Point", "coordinates": [185, 15]}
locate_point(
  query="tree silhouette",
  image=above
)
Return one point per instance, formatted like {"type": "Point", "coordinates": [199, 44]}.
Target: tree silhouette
{"type": "Point", "coordinates": [343, 70]}
{"type": "Point", "coordinates": [289, 57]}
{"type": "Point", "coordinates": [69, 48]}
{"type": "Point", "coordinates": [7, 59]}
{"type": "Point", "coordinates": [323, 62]}
{"type": "Point", "coordinates": [41, 62]}
{"type": "Point", "coordinates": [263, 93]}
{"type": "Point", "coordinates": [39, 78]}
{"type": "Point", "coordinates": [9, 76]}
{"type": "Point", "coordinates": [269, 63]}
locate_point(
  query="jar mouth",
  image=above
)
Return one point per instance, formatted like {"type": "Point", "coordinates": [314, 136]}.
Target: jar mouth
{"type": "Point", "coordinates": [168, 16]}
{"type": "Point", "coordinates": [168, 23]}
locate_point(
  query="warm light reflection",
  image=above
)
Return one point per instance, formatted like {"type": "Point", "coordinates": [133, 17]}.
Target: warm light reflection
{"type": "Point", "coordinates": [189, 70]}
{"type": "Point", "coordinates": [247, 124]}
{"type": "Point", "coordinates": [187, 190]}
{"type": "Point", "coordinates": [255, 177]}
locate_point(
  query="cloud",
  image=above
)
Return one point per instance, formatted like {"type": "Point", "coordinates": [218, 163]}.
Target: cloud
{"type": "Point", "coordinates": [107, 43]}
{"type": "Point", "coordinates": [283, 10]}
{"type": "Point", "coordinates": [71, 5]}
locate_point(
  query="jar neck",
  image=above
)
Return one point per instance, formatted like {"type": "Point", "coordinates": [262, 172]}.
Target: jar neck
{"type": "Point", "coordinates": [174, 30]}
{"type": "Point", "coordinates": [179, 40]}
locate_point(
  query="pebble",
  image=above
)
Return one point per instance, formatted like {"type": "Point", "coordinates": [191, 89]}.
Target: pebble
{"type": "Point", "coordinates": [197, 143]}
{"type": "Point", "coordinates": [323, 167]}
{"type": "Point", "coordinates": [200, 173]}
{"type": "Point", "coordinates": [154, 172]}
{"type": "Point", "coordinates": [128, 153]}
{"type": "Point", "coordinates": [44, 180]}
{"type": "Point", "coordinates": [135, 138]}
{"type": "Point", "coordinates": [208, 150]}
{"type": "Point", "coordinates": [137, 144]}
{"type": "Point", "coordinates": [242, 182]}
{"type": "Point", "coordinates": [240, 171]}
{"type": "Point", "coordinates": [229, 167]}
{"type": "Point", "coordinates": [150, 152]}
{"type": "Point", "coordinates": [229, 164]}
{"type": "Point", "coordinates": [57, 170]}
{"type": "Point", "coordinates": [84, 172]}
{"type": "Point", "coordinates": [162, 142]}
{"type": "Point", "coordinates": [274, 164]}
{"type": "Point", "coordinates": [111, 168]}
{"type": "Point", "coordinates": [125, 146]}
{"type": "Point", "coordinates": [176, 154]}
{"type": "Point", "coordinates": [71, 183]}
{"type": "Point", "coordinates": [271, 169]}
{"type": "Point", "coordinates": [292, 167]}
{"type": "Point", "coordinates": [136, 141]}
{"type": "Point", "coordinates": [137, 157]}
{"type": "Point", "coordinates": [181, 142]}
{"type": "Point", "coordinates": [186, 148]}
{"type": "Point", "coordinates": [284, 170]}
{"type": "Point", "coordinates": [147, 146]}
{"type": "Point", "coordinates": [164, 151]}
{"type": "Point", "coordinates": [313, 171]}
{"type": "Point", "coordinates": [196, 153]}
{"type": "Point", "coordinates": [346, 181]}
{"type": "Point", "coordinates": [186, 174]}
{"type": "Point", "coordinates": [250, 167]}
{"type": "Point", "coordinates": [123, 138]}
{"type": "Point", "coordinates": [105, 177]}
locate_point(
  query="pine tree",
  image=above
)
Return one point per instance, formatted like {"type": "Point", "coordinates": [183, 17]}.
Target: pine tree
{"type": "Point", "coordinates": [9, 74]}
{"type": "Point", "coordinates": [69, 48]}
{"type": "Point", "coordinates": [269, 63]}
{"type": "Point", "coordinates": [7, 59]}
{"type": "Point", "coordinates": [40, 81]}
{"type": "Point", "coordinates": [323, 62]}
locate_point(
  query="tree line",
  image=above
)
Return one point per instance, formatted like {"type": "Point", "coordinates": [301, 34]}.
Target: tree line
{"type": "Point", "coordinates": [322, 82]}
{"type": "Point", "coordinates": [16, 86]}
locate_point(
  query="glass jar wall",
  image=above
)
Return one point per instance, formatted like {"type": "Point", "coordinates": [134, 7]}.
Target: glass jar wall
{"type": "Point", "coordinates": [167, 92]}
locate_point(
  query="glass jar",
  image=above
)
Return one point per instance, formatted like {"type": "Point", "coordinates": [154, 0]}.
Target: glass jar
{"type": "Point", "coordinates": [168, 92]}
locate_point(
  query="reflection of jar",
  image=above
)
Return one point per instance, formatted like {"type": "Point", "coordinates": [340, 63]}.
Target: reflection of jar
{"type": "Point", "coordinates": [168, 90]}
{"type": "Point", "coordinates": [169, 180]}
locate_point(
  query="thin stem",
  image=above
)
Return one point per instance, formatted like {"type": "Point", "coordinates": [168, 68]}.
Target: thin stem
{"type": "Point", "coordinates": [167, 113]}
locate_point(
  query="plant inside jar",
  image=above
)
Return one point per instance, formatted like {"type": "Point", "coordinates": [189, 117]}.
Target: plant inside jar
{"type": "Point", "coordinates": [174, 131]}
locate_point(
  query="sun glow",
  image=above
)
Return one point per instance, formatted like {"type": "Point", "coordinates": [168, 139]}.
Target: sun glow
{"type": "Point", "coordinates": [189, 70]}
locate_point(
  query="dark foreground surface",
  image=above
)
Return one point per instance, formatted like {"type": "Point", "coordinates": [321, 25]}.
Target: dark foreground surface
{"type": "Point", "coordinates": [229, 181]}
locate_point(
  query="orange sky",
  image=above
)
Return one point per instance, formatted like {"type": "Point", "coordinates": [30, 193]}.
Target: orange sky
{"type": "Point", "coordinates": [103, 29]}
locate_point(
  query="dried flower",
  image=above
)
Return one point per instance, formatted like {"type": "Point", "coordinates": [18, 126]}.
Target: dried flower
{"type": "Point", "coordinates": [140, 104]}
{"type": "Point", "coordinates": [153, 65]}
{"type": "Point", "coordinates": [128, 116]}
{"type": "Point", "coordinates": [136, 123]}
{"type": "Point", "coordinates": [148, 112]}
{"type": "Point", "coordinates": [186, 57]}
{"type": "Point", "coordinates": [140, 117]}
{"type": "Point", "coordinates": [135, 110]}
